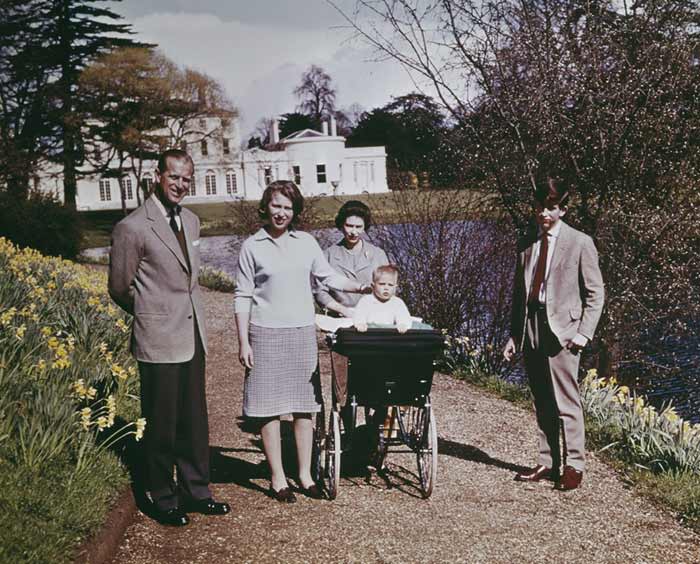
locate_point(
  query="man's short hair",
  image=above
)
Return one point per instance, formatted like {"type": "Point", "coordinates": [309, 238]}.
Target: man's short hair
{"type": "Point", "coordinates": [385, 269]}
{"type": "Point", "coordinates": [176, 154]}
{"type": "Point", "coordinates": [551, 192]}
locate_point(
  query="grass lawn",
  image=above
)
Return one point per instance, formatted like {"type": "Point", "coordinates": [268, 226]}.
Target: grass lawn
{"type": "Point", "coordinates": [228, 218]}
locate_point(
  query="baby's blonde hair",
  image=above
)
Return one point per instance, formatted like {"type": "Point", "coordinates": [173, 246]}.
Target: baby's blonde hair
{"type": "Point", "coordinates": [385, 269]}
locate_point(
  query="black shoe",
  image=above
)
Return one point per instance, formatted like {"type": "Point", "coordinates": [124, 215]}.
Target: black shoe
{"type": "Point", "coordinates": [313, 491]}
{"type": "Point", "coordinates": [285, 495]}
{"type": "Point", "coordinates": [207, 507]}
{"type": "Point", "coordinates": [172, 517]}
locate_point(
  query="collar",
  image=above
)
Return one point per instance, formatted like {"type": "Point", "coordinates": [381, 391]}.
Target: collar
{"type": "Point", "coordinates": [165, 211]}
{"type": "Point", "coordinates": [262, 234]}
{"type": "Point", "coordinates": [553, 233]}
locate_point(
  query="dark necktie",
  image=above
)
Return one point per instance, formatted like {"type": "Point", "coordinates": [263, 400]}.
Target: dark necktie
{"type": "Point", "coordinates": [178, 232]}
{"type": "Point", "coordinates": [173, 222]}
{"type": "Point", "coordinates": [540, 269]}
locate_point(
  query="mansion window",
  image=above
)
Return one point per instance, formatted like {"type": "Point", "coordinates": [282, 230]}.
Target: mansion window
{"type": "Point", "coordinates": [105, 190]}
{"type": "Point", "coordinates": [210, 183]}
{"type": "Point", "coordinates": [321, 174]}
{"type": "Point", "coordinates": [231, 185]}
{"type": "Point", "coordinates": [296, 170]}
{"type": "Point", "coordinates": [205, 148]}
{"type": "Point", "coordinates": [227, 146]}
{"type": "Point", "coordinates": [202, 123]}
{"type": "Point", "coordinates": [268, 175]}
{"type": "Point", "coordinates": [147, 183]}
{"type": "Point", "coordinates": [192, 189]}
{"type": "Point", "coordinates": [127, 188]}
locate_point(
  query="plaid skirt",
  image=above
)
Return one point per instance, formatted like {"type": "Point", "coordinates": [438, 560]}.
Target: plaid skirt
{"type": "Point", "coordinates": [284, 378]}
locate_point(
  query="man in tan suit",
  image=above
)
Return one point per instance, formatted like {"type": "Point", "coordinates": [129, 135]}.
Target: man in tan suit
{"type": "Point", "coordinates": [557, 301]}
{"type": "Point", "coordinates": [153, 271]}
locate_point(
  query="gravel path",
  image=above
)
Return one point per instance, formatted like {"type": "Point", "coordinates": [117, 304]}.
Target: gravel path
{"type": "Point", "coordinates": [477, 513]}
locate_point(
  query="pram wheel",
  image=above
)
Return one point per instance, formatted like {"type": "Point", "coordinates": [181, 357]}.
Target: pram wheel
{"type": "Point", "coordinates": [317, 446]}
{"type": "Point", "coordinates": [333, 452]}
{"type": "Point", "coordinates": [421, 436]}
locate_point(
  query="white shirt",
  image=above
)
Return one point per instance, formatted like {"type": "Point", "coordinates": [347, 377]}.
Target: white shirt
{"type": "Point", "coordinates": [166, 213]}
{"type": "Point", "coordinates": [391, 312]}
{"type": "Point", "coordinates": [553, 235]}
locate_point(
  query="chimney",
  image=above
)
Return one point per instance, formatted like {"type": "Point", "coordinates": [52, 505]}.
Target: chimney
{"type": "Point", "coordinates": [334, 127]}
{"type": "Point", "coordinates": [275, 131]}
{"type": "Point", "coordinates": [324, 127]}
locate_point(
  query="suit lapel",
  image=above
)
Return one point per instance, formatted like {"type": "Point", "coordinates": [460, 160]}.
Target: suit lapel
{"type": "Point", "coordinates": [560, 249]}
{"type": "Point", "coordinates": [163, 232]}
{"type": "Point", "coordinates": [528, 266]}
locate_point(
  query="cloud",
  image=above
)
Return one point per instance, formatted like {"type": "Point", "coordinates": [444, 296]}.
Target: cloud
{"type": "Point", "coordinates": [260, 65]}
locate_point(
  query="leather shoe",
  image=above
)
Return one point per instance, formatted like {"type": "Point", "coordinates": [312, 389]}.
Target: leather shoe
{"type": "Point", "coordinates": [208, 507]}
{"type": "Point", "coordinates": [313, 491]}
{"type": "Point", "coordinates": [538, 473]}
{"type": "Point", "coordinates": [285, 495]}
{"type": "Point", "coordinates": [172, 517]}
{"type": "Point", "coordinates": [570, 479]}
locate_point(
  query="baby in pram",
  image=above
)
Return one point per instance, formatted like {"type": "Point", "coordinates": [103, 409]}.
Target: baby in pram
{"type": "Point", "coordinates": [382, 306]}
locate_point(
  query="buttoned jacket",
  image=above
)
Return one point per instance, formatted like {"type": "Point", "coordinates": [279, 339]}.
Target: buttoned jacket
{"type": "Point", "coordinates": [369, 258]}
{"type": "Point", "coordinates": [150, 278]}
{"type": "Point", "coordinates": [574, 289]}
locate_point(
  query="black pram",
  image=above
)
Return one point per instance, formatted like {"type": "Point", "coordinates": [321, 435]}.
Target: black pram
{"type": "Point", "coordinates": [391, 373]}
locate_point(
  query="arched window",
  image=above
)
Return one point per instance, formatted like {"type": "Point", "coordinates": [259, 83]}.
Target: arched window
{"type": "Point", "coordinates": [127, 188]}
{"type": "Point", "coordinates": [231, 184]}
{"type": "Point", "coordinates": [210, 183]}
{"type": "Point", "coordinates": [105, 190]}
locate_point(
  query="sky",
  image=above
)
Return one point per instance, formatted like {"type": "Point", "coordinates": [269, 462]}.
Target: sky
{"type": "Point", "coordinates": [258, 50]}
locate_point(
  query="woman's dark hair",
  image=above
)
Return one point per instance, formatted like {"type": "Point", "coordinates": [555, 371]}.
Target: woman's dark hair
{"type": "Point", "coordinates": [289, 190]}
{"type": "Point", "coordinates": [356, 208]}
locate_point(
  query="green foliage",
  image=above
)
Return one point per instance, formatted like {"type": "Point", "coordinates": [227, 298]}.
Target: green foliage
{"type": "Point", "coordinates": [417, 138]}
{"type": "Point", "coordinates": [67, 386]}
{"type": "Point", "coordinates": [40, 222]}
{"type": "Point", "coordinates": [44, 514]}
{"type": "Point", "coordinates": [661, 441]}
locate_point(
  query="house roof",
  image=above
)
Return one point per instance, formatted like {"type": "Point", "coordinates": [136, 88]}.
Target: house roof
{"type": "Point", "coordinates": [304, 134]}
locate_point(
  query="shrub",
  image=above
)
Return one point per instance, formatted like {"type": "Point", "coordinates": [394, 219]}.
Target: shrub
{"type": "Point", "coordinates": [42, 223]}
{"type": "Point", "coordinates": [216, 280]}
{"type": "Point", "coordinates": [456, 272]}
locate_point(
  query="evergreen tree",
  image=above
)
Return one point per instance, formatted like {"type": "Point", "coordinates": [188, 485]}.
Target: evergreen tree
{"type": "Point", "coordinates": [44, 46]}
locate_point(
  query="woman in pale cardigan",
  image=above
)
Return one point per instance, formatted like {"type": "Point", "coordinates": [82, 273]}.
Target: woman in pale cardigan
{"type": "Point", "coordinates": [276, 330]}
{"type": "Point", "coordinates": [356, 258]}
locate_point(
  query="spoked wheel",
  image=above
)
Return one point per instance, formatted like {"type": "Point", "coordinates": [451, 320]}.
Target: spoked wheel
{"type": "Point", "coordinates": [420, 434]}
{"type": "Point", "coordinates": [317, 446]}
{"type": "Point", "coordinates": [333, 452]}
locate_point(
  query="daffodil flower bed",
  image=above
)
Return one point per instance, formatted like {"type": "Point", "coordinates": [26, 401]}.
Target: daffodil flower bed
{"type": "Point", "coordinates": [656, 439]}
{"type": "Point", "coordinates": [68, 403]}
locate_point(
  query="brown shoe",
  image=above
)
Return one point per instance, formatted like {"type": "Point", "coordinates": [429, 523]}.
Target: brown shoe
{"type": "Point", "coordinates": [570, 479]}
{"type": "Point", "coordinates": [538, 473]}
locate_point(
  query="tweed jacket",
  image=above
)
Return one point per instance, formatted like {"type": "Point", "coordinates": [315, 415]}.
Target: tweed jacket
{"type": "Point", "coordinates": [573, 287]}
{"type": "Point", "coordinates": [150, 278]}
{"type": "Point", "coordinates": [340, 260]}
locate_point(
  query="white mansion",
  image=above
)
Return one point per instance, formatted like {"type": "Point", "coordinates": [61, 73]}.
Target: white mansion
{"type": "Point", "coordinates": [318, 162]}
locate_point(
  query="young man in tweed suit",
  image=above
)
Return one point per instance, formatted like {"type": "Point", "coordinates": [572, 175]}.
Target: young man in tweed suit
{"type": "Point", "coordinates": [557, 301]}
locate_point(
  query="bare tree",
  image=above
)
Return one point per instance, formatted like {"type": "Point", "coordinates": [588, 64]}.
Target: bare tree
{"type": "Point", "coordinates": [604, 94]}
{"type": "Point", "coordinates": [315, 93]}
